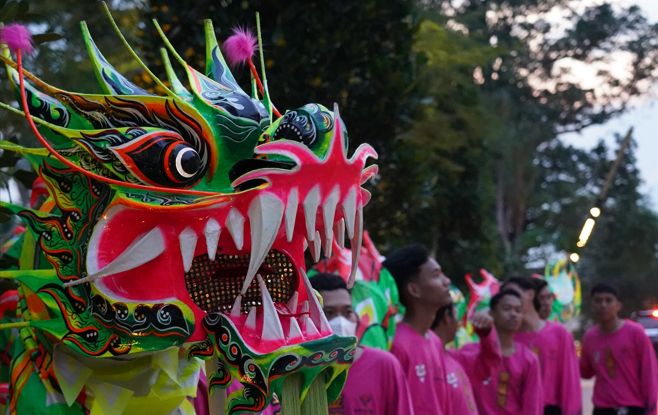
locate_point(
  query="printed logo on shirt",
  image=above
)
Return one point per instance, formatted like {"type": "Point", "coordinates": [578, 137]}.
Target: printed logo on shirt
{"type": "Point", "coordinates": [421, 372]}
{"type": "Point", "coordinates": [503, 389]}
{"type": "Point", "coordinates": [452, 380]}
{"type": "Point", "coordinates": [610, 366]}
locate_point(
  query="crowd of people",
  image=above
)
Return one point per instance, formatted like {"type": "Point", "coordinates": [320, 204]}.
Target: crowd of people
{"type": "Point", "coordinates": [522, 364]}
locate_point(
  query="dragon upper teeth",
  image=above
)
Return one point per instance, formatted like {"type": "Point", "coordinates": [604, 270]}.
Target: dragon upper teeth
{"type": "Point", "coordinates": [355, 243]}
{"type": "Point", "coordinates": [212, 232]}
{"type": "Point", "coordinates": [328, 214]}
{"type": "Point", "coordinates": [187, 239]}
{"type": "Point", "coordinates": [349, 211]}
{"type": "Point", "coordinates": [265, 213]}
{"type": "Point", "coordinates": [291, 213]}
{"type": "Point", "coordinates": [316, 246]}
{"type": "Point", "coordinates": [235, 225]}
{"type": "Point", "coordinates": [339, 231]}
{"type": "Point", "coordinates": [311, 203]}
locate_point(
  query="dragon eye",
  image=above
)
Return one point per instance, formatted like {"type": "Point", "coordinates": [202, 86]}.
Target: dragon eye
{"type": "Point", "coordinates": [161, 159]}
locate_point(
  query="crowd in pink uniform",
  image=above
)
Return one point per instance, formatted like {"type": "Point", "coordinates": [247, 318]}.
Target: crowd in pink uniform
{"type": "Point", "coordinates": [522, 365]}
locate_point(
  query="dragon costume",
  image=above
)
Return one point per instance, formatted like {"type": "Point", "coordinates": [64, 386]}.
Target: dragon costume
{"type": "Point", "coordinates": [175, 231]}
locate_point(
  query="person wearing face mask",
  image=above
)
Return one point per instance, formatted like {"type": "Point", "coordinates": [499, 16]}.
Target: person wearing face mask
{"type": "Point", "coordinates": [375, 382]}
{"type": "Point", "coordinates": [423, 289]}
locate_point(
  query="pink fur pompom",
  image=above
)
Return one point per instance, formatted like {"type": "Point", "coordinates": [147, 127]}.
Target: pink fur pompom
{"type": "Point", "coordinates": [240, 46]}
{"type": "Point", "coordinates": [16, 36]}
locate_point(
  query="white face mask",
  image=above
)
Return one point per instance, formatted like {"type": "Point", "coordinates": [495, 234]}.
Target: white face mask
{"type": "Point", "coordinates": [343, 327]}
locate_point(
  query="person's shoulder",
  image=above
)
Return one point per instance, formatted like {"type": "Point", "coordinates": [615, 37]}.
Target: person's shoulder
{"type": "Point", "coordinates": [557, 329]}
{"type": "Point", "coordinates": [526, 353]}
{"type": "Point", "coordinates": [631, 326]}
{"type": "Point", "coordinates": [592, 331]}
{"type": "Point", "coordinates": [386, 363]}
{"type": "Point", "coordinates": [379, 356]}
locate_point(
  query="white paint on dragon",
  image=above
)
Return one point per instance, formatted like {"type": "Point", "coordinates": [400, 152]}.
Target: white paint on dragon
{"type": "Point", "coordinates": [291, 213]}
{"type": "Point", "coordinates": [142, 250]}
{"type": "Point", "coordinates": [212, 232]}
{"type": "Point", "coordinates": [265, 213]}
{"type": "Point", "coordinates": [235, 225]}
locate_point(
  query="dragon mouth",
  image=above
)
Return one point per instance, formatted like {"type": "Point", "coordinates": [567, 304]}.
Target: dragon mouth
{"type": "Point", "coordinates": [215, 285]}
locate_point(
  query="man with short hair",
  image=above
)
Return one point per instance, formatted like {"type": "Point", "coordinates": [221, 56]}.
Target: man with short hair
{"type": "Point", "coordinates": [466, 363]}
{"type": "Point", "coordinates": [619, 354]}
{"type": "Point", "coordinates": [423, 290]}
{"type": "Point", "coordinates": [515, 387]}
{"type": "Point", "coordinates": [554, 347]}
{"type": "Point", "coordinates": [375, 383]}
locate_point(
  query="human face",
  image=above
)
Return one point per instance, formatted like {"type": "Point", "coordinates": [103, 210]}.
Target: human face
{"type": "Point", "coordinates": [507, 314]}
{"type": "Point", "coordinates": [338, 303]}
{"type": "Point", "coordinates": [431, 287]}
{"type": "Point", "coordinates": [605, 307]}
{"type": "Point", "coordinates": [546, 298]}
{"type": "Point", "coordinates": [527, 295]}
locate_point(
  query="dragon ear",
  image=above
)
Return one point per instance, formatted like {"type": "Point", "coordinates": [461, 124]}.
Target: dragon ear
{"type": "Point", "coordinates": [216, 66]}
{"type": "Point", "coordinates": [224, 95]}
{"type": "Point", "coordinates": [110, 80]}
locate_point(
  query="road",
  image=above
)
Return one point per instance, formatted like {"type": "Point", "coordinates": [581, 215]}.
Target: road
{"type": "Point", "coordinates": [587, 388]}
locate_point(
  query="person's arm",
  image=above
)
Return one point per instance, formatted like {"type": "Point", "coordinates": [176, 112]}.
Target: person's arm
{"type": "Point", "coordinates": [569, 378]}
{"type": "Point", "coordinates": [648, 372]}
{"type": "Point", "coordinates": [479, 363]}
{"type": "Point", "coordinates": [532, 391]}
{"type": "Point", "coordinates": [586, 369]}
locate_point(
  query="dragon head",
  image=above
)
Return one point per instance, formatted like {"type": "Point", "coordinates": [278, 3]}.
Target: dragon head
{"type": "Point", "coordinates": [183, 218]}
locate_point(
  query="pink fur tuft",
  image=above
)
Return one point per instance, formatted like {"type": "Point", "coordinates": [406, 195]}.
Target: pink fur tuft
{"type": "Point", "coordinates": [240, 46]}
{"type": "Point", "coordinates": [16, 36]}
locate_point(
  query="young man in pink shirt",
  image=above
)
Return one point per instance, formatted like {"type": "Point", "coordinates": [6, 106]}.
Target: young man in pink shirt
{"type": "Point", "coordinates": [515, 387]}
{"type": "Point", "coordinates": [375, 382]}
{"type": "Point", "coordinates": [423, 290]}
{"type": "Point", "coordinates": [479, 363]}
{"type": "Point", "coordinates": [619, 353]}
{"type": "Point", "coordinates": [554, 347]}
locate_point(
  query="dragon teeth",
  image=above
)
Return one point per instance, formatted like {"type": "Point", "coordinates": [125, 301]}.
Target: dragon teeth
{"type": "Point", "coordinates": [212, 232]}
{"type": "Point", "coordinates": [188, 239]}
{"type": "Point", "coordinates": [294, 332]}
{"type": "Point", "coordinates": [349, 211]}
{"type": "Point", "coordinates": [235, 225]}
{"type": "Point", "coordinates": [311, 204]}
{"type": "Point", "coordinates": [272, 329]}
{"type": "Point", "coordinates": [265, 213]}
{"type": "Point", "coordinates": [291, 213]}
{"type": "Point", "coordinates": [355, 243]}
{"type": "Point", "coordinates": [328, 214]}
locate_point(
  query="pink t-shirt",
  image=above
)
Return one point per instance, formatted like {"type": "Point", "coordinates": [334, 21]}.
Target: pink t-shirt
{"type": "Point", "coordinates": [375, 385]}
{"type": "Point", "coordinates": [422, 360]}
{"type": "Point", "coordinates": [479, 361]}
{"type": "Point", "coordinates": [460, 391]}
{"type": "Point", "coordinates": [514, 388]}
{"type": "Point", "coordinates": [554, 347]}
{"type": "Point", "coordinates": [624, 364]}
